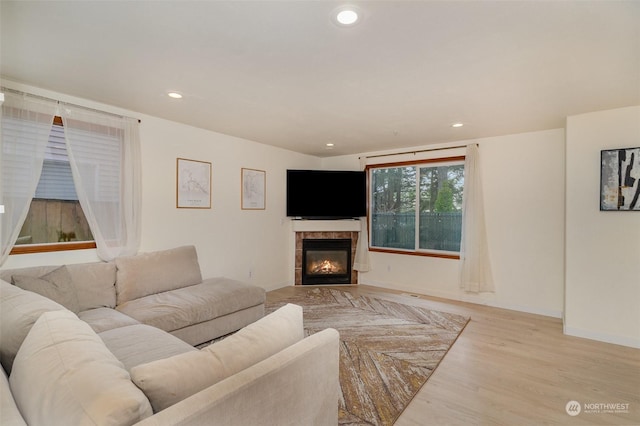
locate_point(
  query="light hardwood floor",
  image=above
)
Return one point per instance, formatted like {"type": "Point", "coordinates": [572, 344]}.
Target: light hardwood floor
{"type": "Point", "coordinates": [514, 368]}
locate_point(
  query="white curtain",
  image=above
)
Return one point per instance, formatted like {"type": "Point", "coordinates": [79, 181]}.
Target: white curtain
{"type": "Point", "coordinates": [26, 124]}
{"type": "Point", "coordinates": [475, 274]}
{"type": "Point", "coordinates": [361, 262]}
{"type": "Point", "coordinates": [104, 154]}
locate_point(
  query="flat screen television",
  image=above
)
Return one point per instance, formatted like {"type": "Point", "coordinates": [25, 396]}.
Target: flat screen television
{"type": "Point", "coordinates": [326, 194]}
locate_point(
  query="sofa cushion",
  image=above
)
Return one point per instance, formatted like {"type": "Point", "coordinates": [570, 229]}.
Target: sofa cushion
{"type": "Point", "coordinates": [9, 413]}
{"type": "Point", "coordinates": [94, 282]}
{"type": "Point", "coordinates": [139, 344]}
{"type": "Point", "coordinates": [204, 332]}
{"type": "Point", "coordinates": [19, 310]}
{"type": "Point", "coordinates": [103, 319]}
{"type": "Point", "coordinates": [64, 372]}
{"type": "Point", "coordinates": [155, 272]}
{"type": "Point", "coordinates": [213, 298]}
{"type": "Point", "coordinates": [56, 285]}
{"type": "Point", "coordinates": [170, 380]}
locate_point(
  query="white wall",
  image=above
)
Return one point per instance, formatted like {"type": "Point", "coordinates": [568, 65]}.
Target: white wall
{"type": "Point", "coordinates": [523, 178]}
{"type": "Point", "coordinates": [251, 245]}
{"type": "Point", "coordinates": [602, 248]}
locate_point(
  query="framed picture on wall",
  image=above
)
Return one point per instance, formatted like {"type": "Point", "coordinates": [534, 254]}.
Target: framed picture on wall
{"type": "Point", "coordinates": [253, 189]}
{"type": "Point", "coordinates": [193, 184]}
{"type": "Point", "coordinates": [620, 179]}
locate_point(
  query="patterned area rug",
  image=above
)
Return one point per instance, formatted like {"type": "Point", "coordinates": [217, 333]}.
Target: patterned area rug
{"type": "Point", "coordinates": [388, 350]}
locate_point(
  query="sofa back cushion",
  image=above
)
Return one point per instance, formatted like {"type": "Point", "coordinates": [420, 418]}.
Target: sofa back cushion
{"type": "Point", "coordinates": [19, 310]}
{"type": "Point", "coordinates": [63, 373]}
{"type": "Point", "coordinates": [170, 380]}
{"type": "Point", "coordinates": [94, 282]}
{"type": "Point", "coordinates": [55, 285]}
{"type": "Point", "coordinates": [156, 272]}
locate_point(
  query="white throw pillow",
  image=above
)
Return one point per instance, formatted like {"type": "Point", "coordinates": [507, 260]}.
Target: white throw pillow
{"type": "Point", "coordinates": [63, 374]}
{"type": "Point", "coordinates": [173, 379]}
{"type": "Point", "coordinates": [19, 310]}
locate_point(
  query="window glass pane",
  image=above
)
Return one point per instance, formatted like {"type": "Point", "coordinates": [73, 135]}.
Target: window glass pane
{"type": "Point", "coordinates": [393, 207]}
{"type": "Point", "coordinates": [55, 214]}
{"type": "Point", "coordinates": [98, 159]}
{"type": "Point", "coordinates": [56, 180]}
{"type": "Point", "coordinates": [441, 207]}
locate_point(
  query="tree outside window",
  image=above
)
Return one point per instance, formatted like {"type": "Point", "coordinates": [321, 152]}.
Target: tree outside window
{"type": "Point", "coordinates": [417, 207]}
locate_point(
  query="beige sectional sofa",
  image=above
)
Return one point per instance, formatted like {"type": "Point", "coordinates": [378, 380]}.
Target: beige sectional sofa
{"type": "Point", "coordinates": [163, 289]}
{"type": "Point", "coordinates": [111, 344]}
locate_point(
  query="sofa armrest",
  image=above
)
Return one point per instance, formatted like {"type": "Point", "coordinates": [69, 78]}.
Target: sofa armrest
{"type": "Point", "coordinates": [297, 386]}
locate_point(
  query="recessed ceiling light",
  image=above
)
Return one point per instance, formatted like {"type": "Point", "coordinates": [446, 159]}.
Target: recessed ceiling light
{"type": "Point", "coordinates": [329, 145]}
{"type": "Point", "coordinates": [347, 17]}
{"type": "Point", "coordinates": [457, 125]}
{"type": "Point", "coordinates": [174, 95]}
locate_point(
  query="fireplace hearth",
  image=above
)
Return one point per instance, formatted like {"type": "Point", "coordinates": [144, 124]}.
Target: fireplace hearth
{"type": "Point", "coordinates": [326, 261]}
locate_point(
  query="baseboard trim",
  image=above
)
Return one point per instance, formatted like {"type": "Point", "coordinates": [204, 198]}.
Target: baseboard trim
{"type": "Point", "coordinates": [478, 300]}
{"type": "Point", "coordinates": [276, 286]}
{"type": "Point", "coordinates": [601, 337]}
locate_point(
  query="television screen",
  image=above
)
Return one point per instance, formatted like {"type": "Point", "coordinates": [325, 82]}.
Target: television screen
{"type": "Point", "coordinates": [326, 194]}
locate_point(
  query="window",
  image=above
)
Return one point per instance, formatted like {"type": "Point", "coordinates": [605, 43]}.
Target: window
{"type": "Point", "coordinates": [416, 208]}
{"type": "Point", "coordinates": [55, 220]}
{"type": "Point", "coordinates": [103, 153]}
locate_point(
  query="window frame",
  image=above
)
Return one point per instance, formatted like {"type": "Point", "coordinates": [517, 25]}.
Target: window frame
{"type": "Point", "coordinates": [416, 251]}
{"type": "Point", "coordinates": [53, 247]}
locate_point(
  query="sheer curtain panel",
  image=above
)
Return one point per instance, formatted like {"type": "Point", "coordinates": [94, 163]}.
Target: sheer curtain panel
{"type": "Point", "coordinates": [25, 126]}
{"type": "Point", "coordinates": [104, 154]}
{"type": "Point", "coordinates": [361, 262]}
{"type": "Point", "coordinates": [475, 274]}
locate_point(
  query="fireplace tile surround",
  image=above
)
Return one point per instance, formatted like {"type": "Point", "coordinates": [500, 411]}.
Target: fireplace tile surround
{"type": "Point", "coordinates": [324, 235]}
{"type": "Point", "coordinates": [324, 230]}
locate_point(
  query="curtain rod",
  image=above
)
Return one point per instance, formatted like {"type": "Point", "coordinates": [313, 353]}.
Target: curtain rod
{"type": "Point", "coordinates": [18, 92]}
{"type": "Point", "coordinates": [414, 152]}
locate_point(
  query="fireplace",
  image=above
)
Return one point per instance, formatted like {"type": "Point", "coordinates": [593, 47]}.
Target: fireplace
{"type": "Point", "coordinates": [326, 261]}
{"type": "Point", "coordinates": [323, 230]}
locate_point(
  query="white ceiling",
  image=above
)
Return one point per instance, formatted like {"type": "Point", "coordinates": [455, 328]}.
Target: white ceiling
{"type": "Point", "coordinates": [282, 73]}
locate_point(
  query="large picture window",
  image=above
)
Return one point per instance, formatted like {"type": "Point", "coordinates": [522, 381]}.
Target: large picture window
{"type": "Point", "coordinates": [417, 207]}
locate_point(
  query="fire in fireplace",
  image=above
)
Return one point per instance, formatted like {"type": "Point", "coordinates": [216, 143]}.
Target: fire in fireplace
{"type": "Point", "coordinates": [326, 261]}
